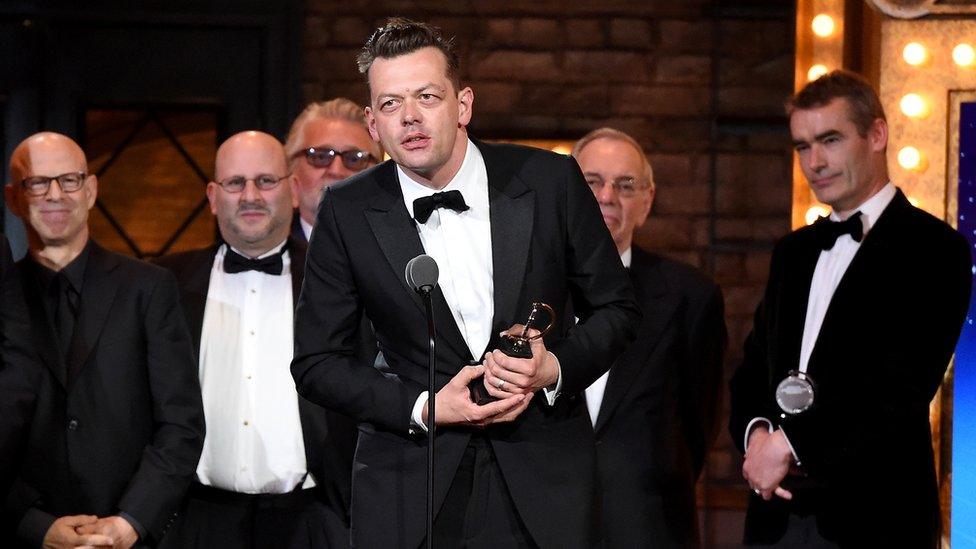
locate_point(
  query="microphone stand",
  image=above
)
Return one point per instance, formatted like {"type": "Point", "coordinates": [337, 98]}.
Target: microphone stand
{"type": "Point", "coordinates": [431, 424]}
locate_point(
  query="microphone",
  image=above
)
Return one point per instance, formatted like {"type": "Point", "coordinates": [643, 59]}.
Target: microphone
{"type": "Point", "coordinates": [422, 273]}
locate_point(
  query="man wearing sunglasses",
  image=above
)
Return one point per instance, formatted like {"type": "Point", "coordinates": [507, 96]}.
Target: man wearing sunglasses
{"type": "Point", "coordinates": [117, 423]}
{"type": "Point", "coordinates": [268, 473]}
{"type": "Point", "coordinates": [328, 142]}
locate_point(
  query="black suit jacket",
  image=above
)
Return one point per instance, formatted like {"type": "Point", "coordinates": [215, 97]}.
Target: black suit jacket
{"type": "Point", "coordinates": [659, 412]}
{"type": "Point", "coordinates": [330, 438]}
{"type": "Point", "coordinates": [548, 241]}
{"type": "Point", "coordinates": [16, 394]}
{"type": "Point", "coordinates": [886, 340]}
{"type": "Point", "coordinates": [126, 434]}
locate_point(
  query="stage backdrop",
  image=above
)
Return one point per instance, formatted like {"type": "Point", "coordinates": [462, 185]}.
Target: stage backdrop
{"type": "Point", "coordinates": [964, 402]}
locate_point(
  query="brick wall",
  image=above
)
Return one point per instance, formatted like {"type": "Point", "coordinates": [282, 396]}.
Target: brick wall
{"type": "Point", "coordinates": [699, 84]}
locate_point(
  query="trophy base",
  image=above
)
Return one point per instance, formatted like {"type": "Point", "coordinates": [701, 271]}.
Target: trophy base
{"type": "Point", "coordinates": [513, 347]}
{"type": "Point", "coordinates": [479, 394]}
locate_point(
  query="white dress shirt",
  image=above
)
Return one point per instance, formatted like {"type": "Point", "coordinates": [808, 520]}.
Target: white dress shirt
{"type": "Point", "coordinates": [306, 228]}
{"type": "Point", "coordinates": [830, 269]}
{"type": "Point", "coordinates": [254, 441]}
{"type": "Point", "coordinates": [460, 243]}
{"type": "Point", "coordinates": [594, 393]}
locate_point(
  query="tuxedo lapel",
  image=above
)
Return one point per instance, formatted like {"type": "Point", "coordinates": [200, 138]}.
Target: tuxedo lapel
{"type": "Point", "coordinates": [195, 287]}
{"type": "Point", "coordinates": [97, 296]}
{"type": "Point", "coordinates": [658, 304]}
{"type": "Point", "coordinates": [398, 239]}
{"type": "Point", "coordinates": [512, 215]}
{"type": "Point", "coordinates": [866, 269]}
{"type": "Point", "coordinates": [794, 296]}
{"type": "Point", "coordinates": [296, 251]}
{"type": "Point", "coordinates": [297, 232]}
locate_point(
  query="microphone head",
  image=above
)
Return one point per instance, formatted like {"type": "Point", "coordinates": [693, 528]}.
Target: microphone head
{"type": "Point", "coordinates": [422, 273]}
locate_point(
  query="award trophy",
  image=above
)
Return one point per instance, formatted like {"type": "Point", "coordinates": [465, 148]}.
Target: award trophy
{"type": "Point", "coordinates": [795, 394]}
{"type": "Point", "coordinates": [515, 345]}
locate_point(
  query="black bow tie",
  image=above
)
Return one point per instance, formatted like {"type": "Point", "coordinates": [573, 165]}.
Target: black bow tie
{"type": "Point", "coordinates": [828, 231]}
{"type": "Point", "coordinates": [423, 207]}
{"type": "Point", "coordinates": [237, 263]}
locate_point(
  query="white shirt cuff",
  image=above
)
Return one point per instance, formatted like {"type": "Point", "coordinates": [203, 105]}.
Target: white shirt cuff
{"type": "Point", "coordinates": [796, 458]}
{"type": "Point", "coordinates": [553, 393]}
{"type": "Point", "coordinates": [755, 420]}
{"type": "Point", "coordinates": [417, 415]}
{"type": "Point", "coordinates": [769, 426]}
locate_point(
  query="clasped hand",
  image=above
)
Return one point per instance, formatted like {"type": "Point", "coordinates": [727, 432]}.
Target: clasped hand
{"type": "Point", "coordinates": [513, 381]}
{"type": "Point", "coordinates": [90, 531]}
{"type": "Point", "coordinates": [768, 459]}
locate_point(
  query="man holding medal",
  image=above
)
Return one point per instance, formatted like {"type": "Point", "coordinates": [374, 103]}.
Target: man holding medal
{"type": "Point", "coordinates": [830, 403]}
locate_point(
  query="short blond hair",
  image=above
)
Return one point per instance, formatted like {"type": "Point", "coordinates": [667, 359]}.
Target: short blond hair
{"type": "Point", "coordinates": [615, 134]}
{"type": "Point", "coordinates": [339, 108]}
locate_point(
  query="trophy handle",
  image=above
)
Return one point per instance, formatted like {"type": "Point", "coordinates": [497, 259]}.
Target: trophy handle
{"type": "Point", "coordinates": [535, 309]}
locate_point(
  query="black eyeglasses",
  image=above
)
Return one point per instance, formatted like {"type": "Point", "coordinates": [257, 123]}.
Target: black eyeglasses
{"type": "Point", "coordinates": [38, 185]}
{"type": "Point", "coordinates": [264, 182]}
{"type": "Point", "coordinates": [626, 186]}
{"type": "Point", "coordinates": [322, 157]}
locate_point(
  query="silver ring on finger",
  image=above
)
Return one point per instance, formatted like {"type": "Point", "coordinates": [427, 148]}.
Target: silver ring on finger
{"type": "Point", "coordinates": [500, 383]}
{"type": "Point", "coordinates": [757, 491]}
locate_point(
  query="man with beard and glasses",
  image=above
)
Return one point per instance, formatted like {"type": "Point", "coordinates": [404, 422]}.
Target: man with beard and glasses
{"type": "Point", "coordinates": [268, 473]}
{"type": "Point", "coordinates": [116, 422]}
{"type": "Point", "coordinates": [327, 143]}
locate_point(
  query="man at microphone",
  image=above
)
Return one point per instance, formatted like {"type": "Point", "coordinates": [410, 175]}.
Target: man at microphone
{"type": "Point", "coordinates": [508, 226]}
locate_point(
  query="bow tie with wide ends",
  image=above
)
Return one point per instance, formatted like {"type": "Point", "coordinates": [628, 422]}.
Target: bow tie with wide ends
{"type": "Point", "coordinates": [423, 207]}
{"type": "Point", "coordinates": [829, 231]}
{"type": "Point", "coordinates": [237, 263]}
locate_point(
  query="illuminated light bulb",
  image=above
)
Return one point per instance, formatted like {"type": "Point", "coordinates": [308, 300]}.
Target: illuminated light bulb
{"type": "Point", "coordinates": [914, 106]}
{"type": "Point", "coordinates": [814, 213]}
{"type": "Point", "coordinates": [915, 54]}
{"type": "Point", "coordinates": [913, 201]}
{"type": "Point", "coordinates": [823, 25]}
{"type": "Point", "coordinates": [816, 72]}
{"type": "Point", "coordinates": [910, 158]}
{"type": "Point", "coordinates": [561, 149]}
{"type": "Point", "coordinates": [964, 55]}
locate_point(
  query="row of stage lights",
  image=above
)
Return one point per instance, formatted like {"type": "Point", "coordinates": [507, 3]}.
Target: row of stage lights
{"type": "Point", "coordinates": [912, 105]}
{"type": "Point", "coordinates": [823, 26]}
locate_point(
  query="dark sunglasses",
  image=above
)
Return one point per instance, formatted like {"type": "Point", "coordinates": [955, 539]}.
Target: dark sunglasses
{"type": "Point", "coordinates": [322, 157]}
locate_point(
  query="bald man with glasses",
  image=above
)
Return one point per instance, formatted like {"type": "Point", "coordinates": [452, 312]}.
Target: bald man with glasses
{"type": "Point", "coordinates": [116, 422]}
{"type": "Point", "coordinates": [271, 474]}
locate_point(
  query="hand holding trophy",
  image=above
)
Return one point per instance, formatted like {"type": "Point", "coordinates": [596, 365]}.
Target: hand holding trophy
{"type": "Point", "coordinates": [516, 343]}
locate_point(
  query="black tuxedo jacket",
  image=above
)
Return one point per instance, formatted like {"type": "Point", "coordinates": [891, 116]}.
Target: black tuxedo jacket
{"type": "Point", "coordinates": [886, 340]}
{"type": "Point", "coordinates": [548, 241]}
{"type": "Point", "coordinates": [659, 412]}
{"type": "Point", "coordinates": [330, 438]}
{"type": "Point", "coordinates": [126, 434]}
